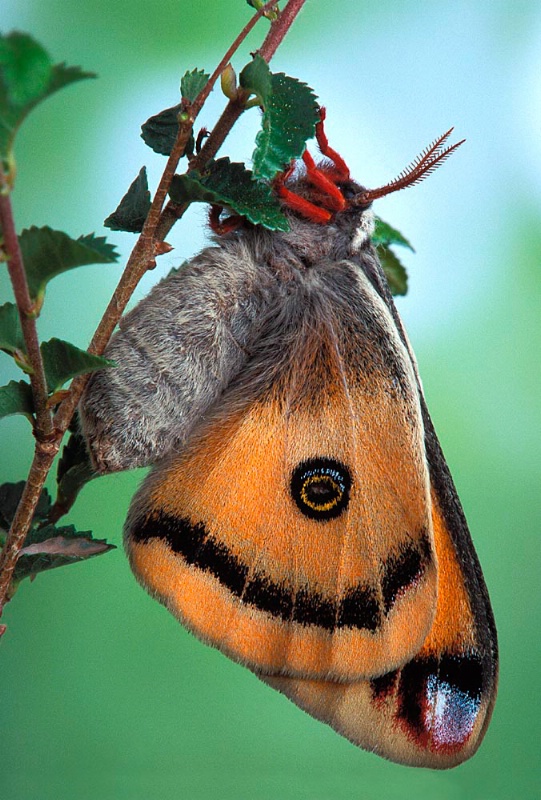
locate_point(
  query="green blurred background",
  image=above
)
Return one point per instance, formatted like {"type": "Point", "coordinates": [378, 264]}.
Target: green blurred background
{"type": "Point", "coordinates": [103, 694]}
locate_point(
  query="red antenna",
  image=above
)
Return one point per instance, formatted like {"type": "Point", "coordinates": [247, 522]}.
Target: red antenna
{"type": "Point", "coordinates": [425, 163]}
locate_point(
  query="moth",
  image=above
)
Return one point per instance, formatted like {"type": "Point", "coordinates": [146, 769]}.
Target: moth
{"type": "Point", "coordinates": [299, 514]}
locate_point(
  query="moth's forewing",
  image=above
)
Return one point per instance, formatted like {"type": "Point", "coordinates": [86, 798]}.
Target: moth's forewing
{"type": "Point", "coordinates": [295, 532]}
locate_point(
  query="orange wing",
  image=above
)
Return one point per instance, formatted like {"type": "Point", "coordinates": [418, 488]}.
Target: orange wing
{"type": "Point", "coordinates": [295, 532]}
{"type": "Point", "coordinates": [434, 711]}
{"type": "Point", "coordinates": [312, 531]}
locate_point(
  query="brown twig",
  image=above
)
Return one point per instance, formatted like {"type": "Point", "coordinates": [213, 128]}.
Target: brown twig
{"type": "Point", "coordinates": [49, 431]}
{"type": "Point", "coordinates": [201, 98]}
{"type": "Point", "coordinates": [42, 462]}
{"type": "Point", "coordinates": [142, 257]}
{"type": "Point", "coordinates": [157, 226]}
{"type": "Point", "coordinates": [44, 422]}
{"type": "Point", "coordinates": [46, 446]}
{"type": "Point", "coordinates": [279, 28]}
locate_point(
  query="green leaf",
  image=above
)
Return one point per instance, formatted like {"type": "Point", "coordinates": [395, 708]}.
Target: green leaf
{"type": "Point", "coordinates": [100, 246]}
{"type": "Point", "coordinates": [256, 78]}
{"type": "Point", "coordinates": [16, 398]}
{"type": "Point", "coordinates": [160, 131]}
{"type": "Point", "coordinates": [10, 495]}
{"type": "Point", "coordinates": [63, 361]}
{"type": "Point", "coordinates": [192, 83]}
{"type": "Point", "coordinates": [11, 334]}
{"type": "Point", "coordinates": [48, 546]}
{"type": "Point", "coordinates": [289, 120]}
{"type": "Point", "coordinates": [64, 76]}
{"type": "Point", "coordinates": [385, 234]}
{"type": "Point", "coordinates": [27, 77]}
{"type": "Point", "coordinates": [232, 185]}
{"type": "Point", "coordinates": [25, 68]}
{"type": "Point", "coordinates": [47, 253]}
{"type": "Point", "coordinates": [51, 547]}
{"type": "Point", "coordinates": [74, 470]}
{"type": "Point", "coordinates": [132, 210]}
{"type": "Point", "coordinates": [395, 272]}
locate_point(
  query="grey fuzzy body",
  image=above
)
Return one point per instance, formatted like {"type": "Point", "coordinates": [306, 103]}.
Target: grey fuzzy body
{"type": "Point", "coordinates": [176, 352]}
{"type": "Point", "coordinates": [220, 330]}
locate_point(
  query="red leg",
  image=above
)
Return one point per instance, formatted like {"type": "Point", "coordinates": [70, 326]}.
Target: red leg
{"type": "Point", "coordinates": [334, 199]}
{"type": "Point", "coordinates": [221, 226]}
{"type": "Point", "coordinates": [304, 207]}
{"type": "Point", "coordinates": [323, 179]}
{"type": "Point", "coordinates": [341, 166]}
{"type": "Point", "coordinates": [298, 203]}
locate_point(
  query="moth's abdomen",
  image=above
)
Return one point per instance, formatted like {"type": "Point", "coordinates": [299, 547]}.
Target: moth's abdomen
{"type": "Point", "coordinates": [175, 353]}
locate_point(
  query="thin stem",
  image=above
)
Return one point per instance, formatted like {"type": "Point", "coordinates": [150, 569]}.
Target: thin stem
{"type": "Point", "coordinates": [142, 259]}
{"type": "Point", "coordinates": [234, 108]}
{"type": "Point", "coordinates": [143, 255]}
{"type": "Point", "coordinates": [197, 105]}
{"type": "Point", "coordinates": [44, 423]}
{"type": "Point", "coordinates": [188, 118]}
{"type": "Point", "coordinates": [46, 447]}
{"type": "Point", "coordinates": [279, 28]}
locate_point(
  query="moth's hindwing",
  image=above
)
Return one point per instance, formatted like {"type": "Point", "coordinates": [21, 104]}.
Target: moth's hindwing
{"type": "Point", "coordinates": [295, 532]}
{"type": "Point", "coordinates": [434, 711]}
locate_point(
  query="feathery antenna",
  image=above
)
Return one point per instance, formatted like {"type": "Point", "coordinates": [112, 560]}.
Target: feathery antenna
{"type": "Point", "coordinates": [425, 163]}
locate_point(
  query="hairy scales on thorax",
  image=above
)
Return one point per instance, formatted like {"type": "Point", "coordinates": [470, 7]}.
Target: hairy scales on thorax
{"type": "Point", "coordinates": [178, 350]}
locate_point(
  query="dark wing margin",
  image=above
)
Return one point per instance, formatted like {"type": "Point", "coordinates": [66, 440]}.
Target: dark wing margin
{"type": "Point", "coordinates": [435, 709]}
{"type": "Point", "coordinates": [466, 671]}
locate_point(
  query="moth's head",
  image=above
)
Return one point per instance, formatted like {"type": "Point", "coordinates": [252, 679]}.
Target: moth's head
{"type": "Point", "coordinates": [325, 193]}
{"type": "Point", "coordinates": [329, 211]}
{"type": "Point", "coordinates": [323, 203]}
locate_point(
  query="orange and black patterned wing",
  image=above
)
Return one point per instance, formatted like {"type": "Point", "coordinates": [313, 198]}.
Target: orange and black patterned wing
{"type": "Point", "coordinates": [295, 532]}
{"type": "Point", "coordinates": [434, 710]}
